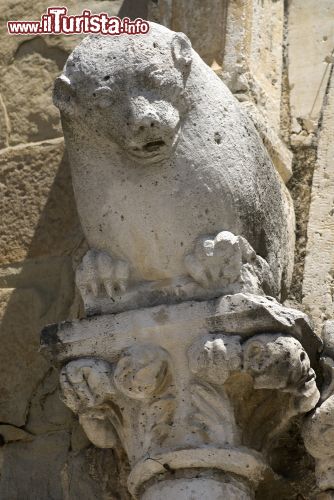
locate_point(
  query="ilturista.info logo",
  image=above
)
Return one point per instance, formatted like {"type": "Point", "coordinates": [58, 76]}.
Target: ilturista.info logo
{"type": "Point", "coordinates": [57, 21]}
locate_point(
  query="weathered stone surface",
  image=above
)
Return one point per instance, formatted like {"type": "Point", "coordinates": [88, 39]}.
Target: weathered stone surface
{"type": "Point", "coordinates": [34, 469]}
{"type": "Point", "coordinates": [203, 22]}
{"type": "Point", "coordinates": [52, 277]}
{"type": "Point", "coordinates": [39, 231]}
{"type": "Point", "coordinates": [32, 294]}
{"type": "Point", "coordinates": [19, 347]}
{"type": "Point", "coordinates": [53, 48]}
{"type": "Point", "coordinates": [279, 362]}
{"type": "Point", "coordinates": [4, 125]}
{"type": "Point", "coordinates": [37, 211]}
{"type": "Point", "coordinates": [29, 66]}
{"type": "Point", "coordinates": [254, 34]}
{"type": "Point", "coordinates": [10, 433]}
{"type": "Point", "coordinates": [318, 283]}
{"type": "Point", "coordinates": [93, 473]}
{"type": "Point", "coordinates": [195, 389]}
{"type": "Point", "coordinates": [311, 39]}
{"type": "Point", "coordinates": [132, 201]}
{"type": "Point", "coordinates": [197, 489]}
{"type": "Point", "coordinates": [45, 468]}
{"type": "Point", "coordinates": [47, 413]}
{"type": "Point", "coordinates": [230, 314]}
{"type": "Point", "coordinates": [30, 78]}
{"type": "Point", "coordinates": [252, 65]}
{"type": "Point", "coordinates": [318, 429]}
{"type": "Point", "coordinates": [279, 153]}
{"type": "Point", "coordinates": [217, 265]}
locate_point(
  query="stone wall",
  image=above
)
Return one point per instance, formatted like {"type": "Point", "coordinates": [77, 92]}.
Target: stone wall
{"type": "Point", "coordinates": [310, 40]}
{"type": "Point", "coordinates": [281, 66]}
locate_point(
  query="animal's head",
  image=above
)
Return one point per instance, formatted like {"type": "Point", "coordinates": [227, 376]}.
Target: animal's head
{"type": "Point", "coordinates": [129, 89]}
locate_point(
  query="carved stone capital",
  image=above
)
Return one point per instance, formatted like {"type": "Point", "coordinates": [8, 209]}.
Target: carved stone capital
{"type": "Point", "coordinates": [194, 386]}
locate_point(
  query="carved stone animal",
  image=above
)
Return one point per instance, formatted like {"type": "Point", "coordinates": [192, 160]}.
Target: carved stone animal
{"type": "Point", "coordinates": [162, 155]}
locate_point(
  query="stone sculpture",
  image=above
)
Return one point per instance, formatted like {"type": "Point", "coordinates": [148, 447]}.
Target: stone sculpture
{"type": "Point", "coordinates": [165, 166]}
{"type": "Point", "coordinates": [188, 363]}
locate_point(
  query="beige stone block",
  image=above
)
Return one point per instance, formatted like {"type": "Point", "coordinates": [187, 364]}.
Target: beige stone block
{"type": "Point", "coordinates": [33, 470]}
{"type": "Point", "coordinates": [29, 67]}
{"type": "Point", "coordinates": [37, 211]}
{"type": "Point", "coordinates": [26, 88]}
{"type": "Point", "coordinates": [311, 39]}
{"type": "Point", "coordinates": [318, 285]}
{"type": "Point", "coordinates": [252, 65]}
{"type": "Point", "coordinates": [47, 413]}
{"type": "Point", "coordinates": [4, 125]}
{"type": "Point", "coordinates": [32, 294]}
{"type": "Point", "coordinates": [11, 46]}
{"type": "Point", "coordinates": [10, 433]}
{"type": "Point", "coordinates": [23, 367]}
{"type": "Point", "coordinates": [203, 22]}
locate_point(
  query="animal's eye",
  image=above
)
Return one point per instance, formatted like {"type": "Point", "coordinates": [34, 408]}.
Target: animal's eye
{"type": "Point", "coordinates": [105, 96]}
{"type": "Point", "coordinates": [161, 79]}
{"type": "Point", "coordinates": [157, 77]}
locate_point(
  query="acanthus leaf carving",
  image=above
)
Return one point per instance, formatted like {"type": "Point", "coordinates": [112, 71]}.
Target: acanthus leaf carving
{"type": "Point", "coordinates": [213, 415]}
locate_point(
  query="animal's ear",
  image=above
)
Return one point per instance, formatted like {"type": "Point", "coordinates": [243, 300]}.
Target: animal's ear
{"type": "Point", "coordinates": [181, 49]}
{"type": "Point", "coordinates": [64, 95]}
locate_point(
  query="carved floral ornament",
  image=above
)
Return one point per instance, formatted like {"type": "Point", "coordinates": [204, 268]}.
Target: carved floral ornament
{"type": "Point", "coordinates": [156, 383]}
{"type": "Point", "coordinates": [142, 377]}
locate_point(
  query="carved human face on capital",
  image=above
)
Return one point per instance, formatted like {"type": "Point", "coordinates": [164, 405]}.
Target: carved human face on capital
{"type": "Point", "coordinates": [136, 101]}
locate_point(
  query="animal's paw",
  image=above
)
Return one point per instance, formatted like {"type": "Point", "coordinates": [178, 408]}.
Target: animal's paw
{"type": "Point", "coordinates": [99, 273]}
{"type": "Point", "coordinates": [218, 262]}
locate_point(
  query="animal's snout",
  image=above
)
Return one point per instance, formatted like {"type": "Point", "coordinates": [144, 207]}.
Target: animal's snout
{"type": "Point", "coordinates": [145, 120]}
{"type": "Point", "coordinates": [143, 116]}
{"type": "Point", "coordinates": [151, 128]}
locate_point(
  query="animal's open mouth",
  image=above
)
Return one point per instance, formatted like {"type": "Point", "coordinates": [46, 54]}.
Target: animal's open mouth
{"type": "Point", "coordinates": [153, 151]}
{"type": "Point", "coordinates": [150, 151]}
{"type": "Point", "coordinates": [151, 147]}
